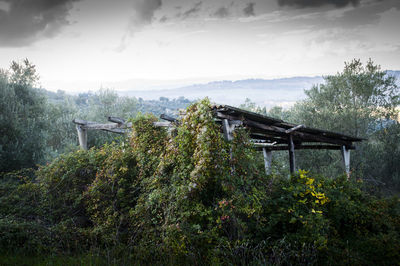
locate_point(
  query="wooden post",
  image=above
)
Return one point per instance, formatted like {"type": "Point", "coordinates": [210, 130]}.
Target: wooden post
{"type": "Point", "coordinates": [228, 129]}
{"type": "Point", "coordinates": [267, 160]}
{"type": "Point", "coordinates": [292, 160]}
{"type": "Point", "coordinates": [82, 135]}
{"type": "Point", "coordinates": [346, 160]}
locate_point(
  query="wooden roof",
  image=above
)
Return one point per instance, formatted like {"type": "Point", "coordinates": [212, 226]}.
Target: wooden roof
{"type": "Point", "coordinates": [265, 129]}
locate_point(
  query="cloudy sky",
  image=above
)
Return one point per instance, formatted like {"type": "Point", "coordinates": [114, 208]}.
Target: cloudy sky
{"type": "Point", "coordinates": [78, 42]}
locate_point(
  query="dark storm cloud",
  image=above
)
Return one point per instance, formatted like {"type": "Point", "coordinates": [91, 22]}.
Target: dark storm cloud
{"type": "Point", "coordinates": [144, 11]}
{"type": "Point", "coordinates": [163, 19]}
{"type": "Point", "coordinates": [143, 15]}
{"type": "Point", "coordinates": [221, 12]}
{"type": "Point", "coordinates": [365, 14]}
{"type": "Point", "coordinates": [248, 11]}
{"type": "Point", "coordinates": [344, 25]}
{"type": "Point", "coordinates": [317, 3]}
{"type": "Point", "coordinates": [195, 9]}
{"type": "Point", "coordinates": [26, 21]}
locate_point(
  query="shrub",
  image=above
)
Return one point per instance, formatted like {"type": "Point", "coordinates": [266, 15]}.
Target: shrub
{"type": "Point", "coordinates": [194, 198]}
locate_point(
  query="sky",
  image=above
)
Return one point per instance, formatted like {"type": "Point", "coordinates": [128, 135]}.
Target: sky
{"type": "Point", "coordinates": [84, 44]}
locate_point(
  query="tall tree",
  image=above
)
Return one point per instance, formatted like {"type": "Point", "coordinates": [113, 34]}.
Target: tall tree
{"type": "Point", "coordinates": [22, 125]}
{"type": "Point", "coordinates": [360, 101]}
{"type": "Point", "coordinates": [352, 101]}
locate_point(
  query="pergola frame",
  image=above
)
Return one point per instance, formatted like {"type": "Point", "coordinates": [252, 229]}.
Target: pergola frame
{"type": "Point", "coordinates": [270, 134]}
{"type": "Point", "coordinates": [266, 133]}
{"type": "Point", "coordinates": [117, 125]}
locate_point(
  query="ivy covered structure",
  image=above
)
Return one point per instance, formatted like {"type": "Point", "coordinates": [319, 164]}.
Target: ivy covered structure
{"type": "Point", "coordinates": [272, 134]}
{"type": "Point", "coordinates": [179, 193]}
{"type": "Point", "coordinates": [266, 133]}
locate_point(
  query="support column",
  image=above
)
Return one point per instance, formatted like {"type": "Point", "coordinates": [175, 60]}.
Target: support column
{"type": "Point", "coordinates": [82, 136]}
{"type": "Point", "coordinates": [292, 160]}
{"type": "Point", "coordinates": [228, 135]}
{"type": "Point", "coordinates": [346, 160]}
{"type": "Point", "coordinates": [227, 129]}
{"type": "Point", "coordinates": [267, 160]}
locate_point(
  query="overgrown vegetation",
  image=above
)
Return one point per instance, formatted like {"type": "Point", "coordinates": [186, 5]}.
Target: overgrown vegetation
{"type": "Point", "coordinates": [189, 196]}
{"type": "Point", "coordinates": [191, 199]}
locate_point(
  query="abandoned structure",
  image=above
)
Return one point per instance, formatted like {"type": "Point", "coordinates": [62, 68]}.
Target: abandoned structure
{"type": "Point", "coordinates": [266, 133]}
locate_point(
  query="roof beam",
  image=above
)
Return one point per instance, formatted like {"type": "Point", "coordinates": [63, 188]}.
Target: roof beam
{"type": "Point", "coordinates": [304, 137]}
{"type": "Point", "coordinates": [305, 147]}
{"type": "Point", "coordinates": [290, 130]}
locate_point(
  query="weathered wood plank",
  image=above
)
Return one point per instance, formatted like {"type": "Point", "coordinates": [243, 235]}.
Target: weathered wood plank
{"type": "Point", "coordinates": [227, 129]}
{"type": "Point", "coordinates": [116, 130]}
{"type": "Point", "coordinates": [82, 136]}
{"type": "Point", "coordinates": [346, 160]}
{"type": "Point", "coordinates": [117, 120]}
{"type": "Point", "coordinates": [306, 147]}
{"type": "Point", "coordinates": [264, 145]}
{"type": "Point", "coordinates": [246, 115]}
{"type": "Point", "coordinates": [104, 126]}
{"type": "Point", "coordinates": [267, 160]}
{"type": "Point", "coordinates": [290, 130]}
{"type": "Point", "coordinates": [168, 118]}
{"type": "Point", "coordinates": [162, 124]}
{"type": "Point", "coordinates": [292, 159]}
{"type": "Point", "coordinates": [282, 131]}
{"type": "Point", "coordinates": [110, 126]}
{"type": "Point", "coordinates": [80, 122]}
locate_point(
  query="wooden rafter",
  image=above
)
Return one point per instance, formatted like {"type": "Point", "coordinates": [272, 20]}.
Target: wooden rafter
{"type": "Point", "coordinates": [266, 133]}
{"type": "Point", "coordinates": [272, 134]}
{"type": "Point", "coordinates": [117, 125]}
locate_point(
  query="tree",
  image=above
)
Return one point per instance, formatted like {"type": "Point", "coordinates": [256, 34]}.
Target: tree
{"type": "Point", "coordinates": [252, 107]}
{"type": "Point", "coordinates": [23, 74]}
{"type": "Point", "coordinates": [360, 101]}
{"type": "Point", "coordinates": [352, 101]}
{"type": "Point", "coordinates": [22, 125]}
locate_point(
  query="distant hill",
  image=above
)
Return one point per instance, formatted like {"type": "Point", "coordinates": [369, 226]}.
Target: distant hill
{"type": "Point", "coordinates": [264, 92]}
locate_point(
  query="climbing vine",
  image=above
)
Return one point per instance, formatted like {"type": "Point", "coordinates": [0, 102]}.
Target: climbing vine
{"type": "Point", "coordinates": [188, 196]}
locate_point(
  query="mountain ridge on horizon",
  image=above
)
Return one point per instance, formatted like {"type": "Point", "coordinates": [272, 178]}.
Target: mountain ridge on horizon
{"type": "Point", "coordinates": [264, 92]}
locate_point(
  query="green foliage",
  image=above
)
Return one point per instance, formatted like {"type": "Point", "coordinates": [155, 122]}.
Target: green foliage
{"type": "Point", "coordinates": [64, 182]}
{"type": "Point", "coordinates": [61, 134]}
{"type": "Point", "coordinates": [360, 101]}
{"type": "Point", "coordinates": [381, 167]}
{"type": "Point", "coordinates": [36, 125]}
{"type": "Point", "coordinates": [20, 196]}
{"type": "Point", "coordinates": [22, 125]}
{"type": "Point", "coordinates": [23, 74]}
{"type": "Point", "coordinates": [22, 230]}
{"type": "Point", "coordinates": [352, 101]}
{"type": "Point", "coordinates": [189, 197]}
{"type": "Point", "coordinates": [252, 107]}
{"type": "Point", "coordinates": [98, 106]}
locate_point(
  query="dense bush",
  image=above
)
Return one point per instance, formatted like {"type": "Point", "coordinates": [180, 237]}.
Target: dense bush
{"type": "Point", "coordinates": [188, 196]}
